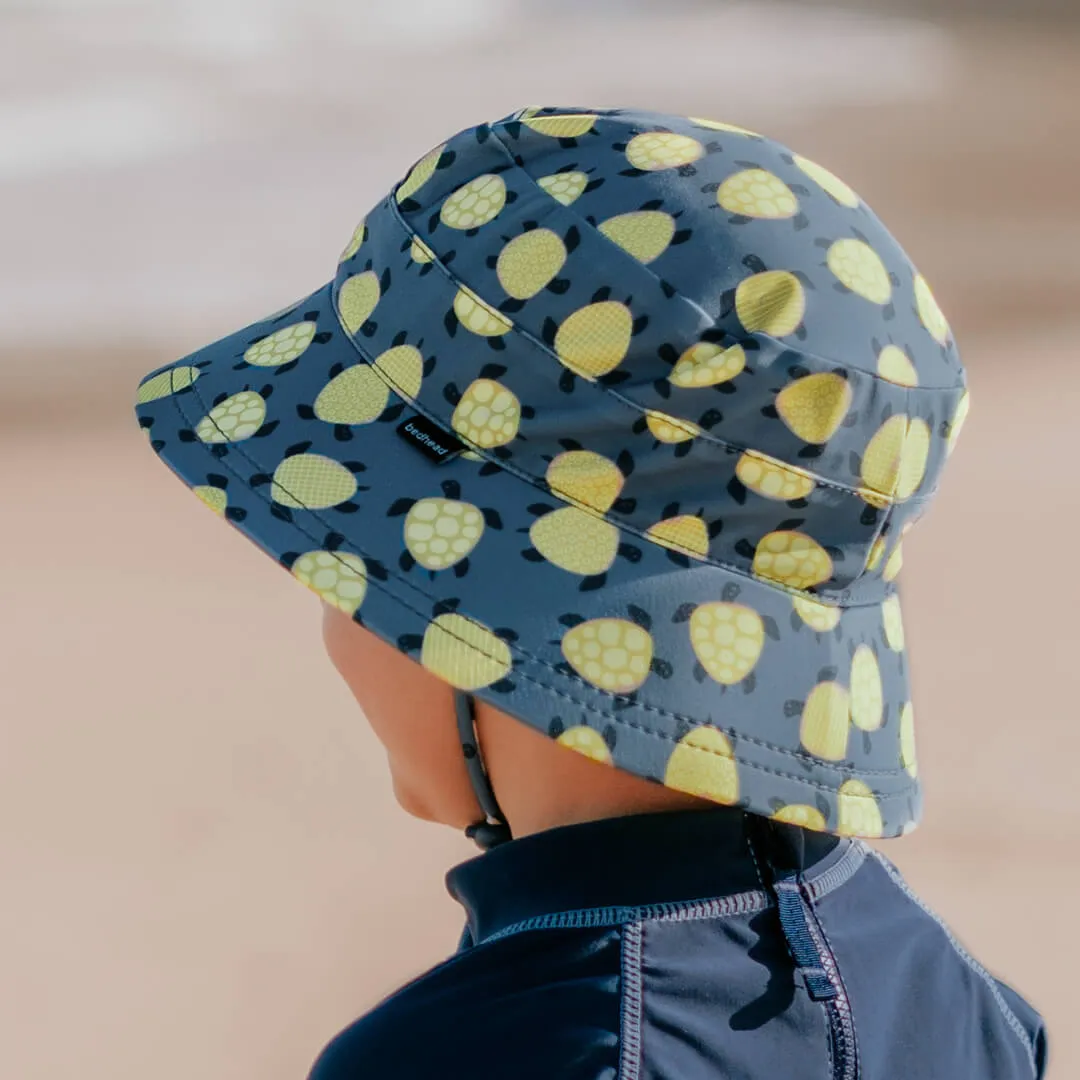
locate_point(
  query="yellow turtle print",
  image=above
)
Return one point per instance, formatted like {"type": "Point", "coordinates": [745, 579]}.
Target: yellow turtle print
{"type": "Point", "coordinates": [789, 557]}
{"type": "Point", "coordinates": [586, 741]}
{"type": "Point", "coordinates": [594, 340]}
{"type": "Point", "coordinates": [957, 422]}
{"type": "Point", "coordinates": [705, 364]}
{"type": "Point", "coordinates": [672, 430]}
{"type": "Point", "coordinates": [858, 268]}
{"type": "Point", "coordinates": [358, 297]}
{"type": "Point", "coordinates": [476, 203]}
{"type": "Point", "coordinates": [646, 233]}
{"type": "Point", "coordinates": [895, 365]}
{"type": "Point", "coordinates": [420, 254]}
{"type": "Point", "coordinates": [440, 533]}
{"type": "Point", "coordinates": [894, 464]}
{"type": "Point", "coordinates": [931, 315]}
{"type": "Point", "coordinates": [727, 637]}
{"type": "Point", "coordinates": [857, 811]}
{"type": "Point", "coordinates": [867, 696]}
{"type": "Point", "coordinates": [907, 740]}
{"type": "Point", "coordinates": [478, 317]}
{"type": "Point", "coordinates": [892, 622]}
{"type": "Point", "coordinates": [173, 380]}
{"type": "Point", "coordinates": [719, 125]}
{"type": "Point", "coordinates": [820, 617]}
{"type": "Point", "coordinates": [771, 302]}
{"type": "Point", "coordinates": [355, 242]}
{"type": "Point", "coordinates": [283, 348]}
{"type": "Point", "coordinates": [825, 718]}
{"type": "Point", "coordinates": [827, 181]}
{"type": "Point", "coordinates": [703, 764]}
{"type": "Point", "coordinates": [612, 654]}
{"type": "Point", "coordinates": [338, 578]}
{"type": "Point", "coordinates": [814, 406]}
{"type": "Point", "coordinates": [531, 262]}
{"type": "Point", "coordinates": [806, 817]}
{"type": "Point", "coordinates": [487, 414]}
{"type": "Point", "coordinates": [420, 174]}
{"type": "Point", "coordinates": [360, 394]}
{"type": "Point", "coordinates": [567, 128]}
{"type": "Point", "coordinates": [576, 539]}
{"type": "Point", "coordinates": [215, 495]}
{"type": "Point", "coordinates": [306, 481]}
{"type": "Point", "coordinates": [686, 536]}
{"type": "Point", "coordinates": [568, 184]}
{"type": "Point", "coordinates": [759, 195]}
{"type": "Point", "coordinates": [234, 419]}
{"type": "Point", "coordinates": [463, 651]}
{"type": "Point", "coordinates": [772, 479]}
{"type": "Point", "coordinates": [655, 151]}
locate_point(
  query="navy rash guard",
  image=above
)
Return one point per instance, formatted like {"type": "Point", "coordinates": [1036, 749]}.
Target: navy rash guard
{"type": "Point", "coordinates": [697, 945]}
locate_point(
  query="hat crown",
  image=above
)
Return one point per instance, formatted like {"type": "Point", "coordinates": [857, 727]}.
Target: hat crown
{"type": "Point", "coordinates": [675, 324]}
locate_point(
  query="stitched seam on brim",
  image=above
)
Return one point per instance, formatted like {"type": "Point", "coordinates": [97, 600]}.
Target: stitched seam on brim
{"type": "Point", "coordinates": [612, 716]}
{"type": "Point", "coordinates": [829, 598]}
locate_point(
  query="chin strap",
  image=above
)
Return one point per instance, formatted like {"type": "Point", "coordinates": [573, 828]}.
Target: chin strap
{"type": "Point", "coordinates": [494, 828]}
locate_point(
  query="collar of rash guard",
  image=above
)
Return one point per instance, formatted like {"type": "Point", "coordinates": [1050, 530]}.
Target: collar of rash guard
{"type": "Point", "coordinates": [636, 861]}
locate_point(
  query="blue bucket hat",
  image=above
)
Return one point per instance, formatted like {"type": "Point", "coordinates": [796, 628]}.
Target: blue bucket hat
{"type": "Point", "coordinates": [615, 420]}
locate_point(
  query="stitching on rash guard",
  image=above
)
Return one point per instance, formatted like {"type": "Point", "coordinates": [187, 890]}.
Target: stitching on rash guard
{"type": "Point", "coordinates": [632, 1002]}
{"type": "Point", "coordinates": [1010, 1017]}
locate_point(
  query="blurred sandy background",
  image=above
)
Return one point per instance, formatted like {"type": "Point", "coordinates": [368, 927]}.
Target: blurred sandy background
{"type": "Point", "coordinates": [203, 871]}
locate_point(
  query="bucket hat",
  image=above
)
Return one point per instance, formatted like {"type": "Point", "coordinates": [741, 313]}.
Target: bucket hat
{"type": "Point", "coordinates": [615, 420]}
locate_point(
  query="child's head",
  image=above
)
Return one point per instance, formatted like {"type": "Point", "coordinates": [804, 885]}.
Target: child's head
{"type": "Point", "coordinates": [612, 422]}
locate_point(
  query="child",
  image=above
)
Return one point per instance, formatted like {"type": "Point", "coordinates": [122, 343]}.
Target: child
{"type": "Point", "coordinates": [599, 450]}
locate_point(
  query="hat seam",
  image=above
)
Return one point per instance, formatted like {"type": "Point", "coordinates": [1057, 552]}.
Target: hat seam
{"type": "Point", "coordinates": [530, 658]}
{"type": "Point", "coordinates": [618, 523]}
{"type": "Point", "coordinates": [693, 303]}
{"type": "Point", "coordinates": [640, 411]}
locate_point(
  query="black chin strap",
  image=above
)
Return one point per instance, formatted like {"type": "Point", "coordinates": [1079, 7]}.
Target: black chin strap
{"type": "Point", "coordinates": [494, 828]}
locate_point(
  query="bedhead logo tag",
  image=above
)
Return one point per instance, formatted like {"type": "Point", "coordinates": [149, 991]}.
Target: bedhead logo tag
{"type": "Point", "coordinates": [431, 440]}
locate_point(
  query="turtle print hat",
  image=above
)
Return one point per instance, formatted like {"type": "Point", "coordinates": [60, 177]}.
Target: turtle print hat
{"type": "Point", "coordinates": [615, 420]}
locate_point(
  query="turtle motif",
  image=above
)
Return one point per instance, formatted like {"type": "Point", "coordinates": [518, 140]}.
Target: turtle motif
{"type": "Point", "coordinates": [216, 498]}
{"type": "Point", "coordinates": [893, 623]}
{"type": "Point", "coordinates": [587, 741]}
{"type": "Point", "coordinates": [307, 481]}
{"type": "Point", "coordinates": [827, 181]}
{"type": "Point", "coordinates": [773, 479]}
{"type": "Point", "coordinates": [708, 364]}
{"type": "Point", "coordinates": [463, 651]}
{"type": "Point", "coordinates": [234, 419]}
{"type": "Point", "coordinates": [487, 414]}
{"type": "Point", "coordinates": [757, 194]}
{"type": "Point", "coordinates": [703, 764]}
{"type": "Point", "coordinates": [655, 151]}
{"type": "Point", "coordinates": [685, 534]}
{"type": "Point", "coordinates": [646, 233]}
{"type": "Point", "coordinates": [612, 654]}
{"type": "Point", "coordinates": [563, 127]}
{"type": "Point", "coordinates": [595, 339]}
{"type": "Point", "coordinates": [771, 302]}
{"type": "Point", "coordinates": [440, 533]}
{"type": "Point", "coordinates": [531, 262]}
{"type": "Point", "coordinates": [814, 406]}
{"type": "Point", "coordinates": [420, 253]}
{"type": "Point", "coordinates": [670, 429]}
{"type": "Point", "coordinates": [475, 204]}
{"type": "Point", "coordinates": [576, 539]}
{"type": "Point", "coordinates": [907, 740]}
{"type": "Point", "coordinates": [825, 722]}
{"type": "Point", "coordinates": [477, 316]}
{"type": "Point", "coordinates": [792, 558]}
{"type": "Point", "coordinates": [172, 380]}
{"type": "Point", "coordinates": [358, 297]}
{"type": "Point", "coordinates": [355, 242]}
{"type": "Point", "coordinates": [867, 696]}
{"type": "Point", "coordinates": [818, 616]}
{"type": "Point", "coordinates": [727, 637]}
{"type": "Point", "coordinates": [360, 394]}
{"type": "Point", "coordinates": [283, 347]}
{"type": "Point", "coordinates": [894, 464]}
{"type": "Point", "coordinates": [568, 186]}
{"type": "Point", "coordinates": [420, 174]}
{"type": "Point", "coordinates": [895, 365]}
{"type": "Point", "coordinates": [857, 811]}
{"type": "Point", "coordinates": [336, 577]}
{"type": "Point", "coordinates": [858, 267]}
{"type": "Point", "coordinates": [930, 314]}
{"type": "Point", "coordinates": [806, 817]}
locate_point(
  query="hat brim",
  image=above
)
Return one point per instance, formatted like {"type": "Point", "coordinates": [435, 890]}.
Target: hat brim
{"type": "Point", "coordinates": [469, 596]}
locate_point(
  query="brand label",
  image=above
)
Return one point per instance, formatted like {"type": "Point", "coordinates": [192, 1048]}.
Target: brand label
{"type": "Point", "coordinates": [432, 441]}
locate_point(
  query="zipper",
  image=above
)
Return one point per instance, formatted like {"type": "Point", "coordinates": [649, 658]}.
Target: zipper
{"type": "Point", "coordinates": [819, 970]}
